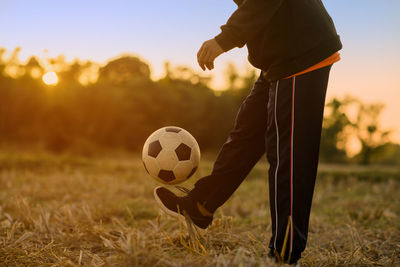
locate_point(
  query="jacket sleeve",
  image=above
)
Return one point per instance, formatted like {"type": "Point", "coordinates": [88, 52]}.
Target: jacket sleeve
{"type": "Point", "coordinates": [238, 2]}
{"type": "Point", "coordinates": [249, 19]}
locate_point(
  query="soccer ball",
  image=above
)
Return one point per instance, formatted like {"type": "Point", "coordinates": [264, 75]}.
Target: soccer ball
{"type": "Point", "coordinates": [171, 155]}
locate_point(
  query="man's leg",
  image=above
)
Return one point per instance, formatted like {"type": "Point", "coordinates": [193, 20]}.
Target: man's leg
{"type": "Point", "coordinates": [295, 113]}
{"type": "Point", "coordinates": [242, 150]}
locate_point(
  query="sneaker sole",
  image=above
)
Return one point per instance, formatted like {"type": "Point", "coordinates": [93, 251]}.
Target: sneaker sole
{"type": "Point", "coordinates": [174, 214]}
{"type": "Point", "coordinates": [164, 208]}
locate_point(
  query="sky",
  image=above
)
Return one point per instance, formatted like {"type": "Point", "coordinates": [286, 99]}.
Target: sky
{"type": "Point", "coordinates": [160, 30]}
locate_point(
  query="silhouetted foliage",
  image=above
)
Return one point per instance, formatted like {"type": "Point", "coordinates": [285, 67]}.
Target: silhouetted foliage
{"type": "Point", "coordinates": [372, 138]}
{"type": "Point", "coordinates": [124, 69]}
{"type": "Point", "coordinates": [118, 111]}
{"type": "Point", "coordinates": [123, 106]}
{"type": "Point", "coordinates": [334, 138]}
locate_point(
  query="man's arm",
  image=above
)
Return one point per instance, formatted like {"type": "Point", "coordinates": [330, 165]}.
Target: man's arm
{"type": "Point", "coordinates": [248, 20]}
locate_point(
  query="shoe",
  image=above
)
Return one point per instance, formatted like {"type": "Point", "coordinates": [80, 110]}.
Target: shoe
{"type": "Point", "coordinates": [169, 203]}
{"type": "Point", "coordinates": [272, 256]}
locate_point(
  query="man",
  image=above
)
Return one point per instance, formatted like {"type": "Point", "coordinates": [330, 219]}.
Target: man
{"type": "Point", "coordinates": [294, 43]}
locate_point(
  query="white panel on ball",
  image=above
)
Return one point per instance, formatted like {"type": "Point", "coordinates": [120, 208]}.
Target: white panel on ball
{"type": "Point", "coordinates": [170, 140]}
{"type": "Point", "coordinates": [195, 156]}
{"type": "Point", "coordinates": [183, 169]}
{"type": "Point", "coordinates": [167, 160]}
{"type": "Point", "coordinates": [187, 138]}
{"type": "Point", "coordinates": [151, 165]}
{"type": "Point", "coordinates": [156, 135]}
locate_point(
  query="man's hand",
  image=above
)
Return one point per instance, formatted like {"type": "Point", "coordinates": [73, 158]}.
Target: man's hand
{"type": "Point", "coordinates": [208, 52]}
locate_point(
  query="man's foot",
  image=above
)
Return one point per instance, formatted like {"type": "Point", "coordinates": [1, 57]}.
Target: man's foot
{"type": "Point", "coordinates": [274, 257]}
{"type": "Point", "coordinates": [169, 203]}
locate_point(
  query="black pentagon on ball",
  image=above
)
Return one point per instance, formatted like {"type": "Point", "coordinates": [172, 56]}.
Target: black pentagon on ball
{"type": "Point", "coordinates": [172, 130]}
{"type": "Point", "coordinates": [166, 176]}
{"type": "Point", "coordinates": [154, 149]}
{"type": "Point", "coordinates": [183, 152]}
{"type": "Point", "coordinates": [192, 172]}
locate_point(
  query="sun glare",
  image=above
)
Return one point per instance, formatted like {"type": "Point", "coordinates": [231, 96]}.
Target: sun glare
{"type": "Point", "coordinates": [50, 78]}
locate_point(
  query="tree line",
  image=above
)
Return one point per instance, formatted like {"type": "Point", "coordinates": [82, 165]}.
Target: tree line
{"type": "Point", "coordinates": [117, 106]}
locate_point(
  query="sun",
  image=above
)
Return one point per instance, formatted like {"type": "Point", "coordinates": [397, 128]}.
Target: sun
{"type": "Point", "coordinates": [50, 78]}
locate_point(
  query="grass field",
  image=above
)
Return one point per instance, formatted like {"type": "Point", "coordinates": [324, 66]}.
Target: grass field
{"type": "Point", "coordinates": [69, 211]}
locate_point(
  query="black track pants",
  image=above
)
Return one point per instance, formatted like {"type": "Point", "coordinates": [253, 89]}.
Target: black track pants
{"type": "Point", "coordinates": [283, 119]}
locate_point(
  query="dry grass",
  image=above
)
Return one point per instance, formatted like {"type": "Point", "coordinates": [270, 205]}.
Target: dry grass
{"type": "Point", "coordinates": [67, 211]}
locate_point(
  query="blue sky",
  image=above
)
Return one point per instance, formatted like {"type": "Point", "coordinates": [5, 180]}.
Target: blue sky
{"type": "Point", "coordinates": [160, 30]}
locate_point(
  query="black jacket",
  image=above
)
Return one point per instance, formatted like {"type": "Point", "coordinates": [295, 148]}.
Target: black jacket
{"type": "Point", "coordinates": [283, 37]}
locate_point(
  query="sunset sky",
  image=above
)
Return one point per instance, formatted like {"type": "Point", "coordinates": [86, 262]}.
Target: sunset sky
{"type": "Point", "coordinates": [160, 30]}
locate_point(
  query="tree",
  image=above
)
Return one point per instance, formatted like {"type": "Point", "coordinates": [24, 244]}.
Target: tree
{"type": "Point", "coordinates": [367, 127]}
{"type": "Point", "coordinates": [333, 137]}
{"type": "Point", "coordinates": [2, 63]}
{"type": "Point", "coordinates": [249, 79]}
{"type": "Point", "coordinates": [232, 76]}
{"type": "Point", "coordinates": [183, 75]}
{"type": "Point", "coordinates": [123, 69]}
{"type": "Point", "coordinates": [33, 68]}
